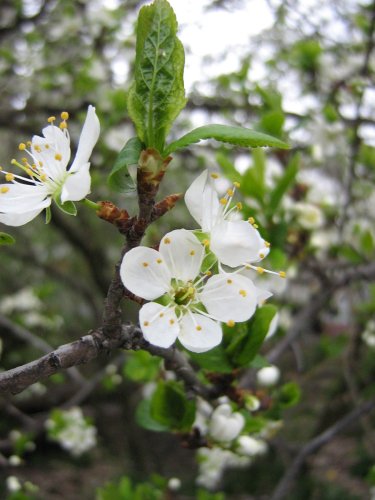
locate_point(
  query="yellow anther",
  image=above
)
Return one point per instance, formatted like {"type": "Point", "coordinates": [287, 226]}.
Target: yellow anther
{"type": "Point", "coordinates": [171, 321]}
{"type": "Point", "coordinates": [267, 243]}
{"type": "Point", "coordinates": [230, 192]}
{"type": "Point", "coordinates": [261, 255]}
{"type": "Point", "coordinates": [223, 201]}
{"type": "Point", "coordinates": [29, 172]}
{"type": "Point", "coordinates": [229, 282]}
{"type": "Point", "coordinates": [282, 274]}
{"type": "Point", "coordinates": [208, 273]}
{"type": "Point", "coordinates": [198, 328]}
{"type": "Point", "coordinates": [51, 119]}
{"type": "Point", "coordinates": [251, 220]}
{"type": "Point", "coordinates": [22, 146]}
{"type": "Point", "coordinates": [145, 264]}
{"type": "Point", "coordinates": [146, 323]}
{"type": "Point", "coordinates": [40, 163]}
{"type": "Point", "coordinates": [231, 323]}
{"type": "Point", "coordinates": [161, 315]}
{"type": "Point", "coordinates": [63, 125]}
{"type": "Point", "coordinates": [255, 226]}
{"type": "Point", "coordinates": [236, 185]}
{"type": "Point", "coordinates": [239, 205]}
{"type": "Point", "coordinates": [260, 270]}
{"type": "Point", "coordinates": [167, 241]}
{"type": "Point", "coordinates": [192, 253]}
{"type": "Point", "coordinates": [159, 261]}
{"type": "Point", "coordinates": [28, 144]}
{"type": "Point", "coordinates": [243, 293]}
{"type": "Point", "coordinates": [214, 176]}
{"type": "Point", "coordinates": [64, 115]}
{"type": "Point", "coordinates": [247, 266]}
{"type": "Point", "coordinates": [9, 177]}
{"type": "Point", "coordinates": [43, 177]}
{"type": "Point", "coordinates": [4, 189]}
{"type": "Point", "coordinates": [46, 146]}
{"type": "Point", "coordinates": [1, 168]}
{"type": "Point", "coordinates": [206, 243]}
{"type": "Point", "coordinates": [58, 157]}
{"type": "Point", "coordinates": [24, 160]}
{"type": "Point", "coordinates": [37, 148]}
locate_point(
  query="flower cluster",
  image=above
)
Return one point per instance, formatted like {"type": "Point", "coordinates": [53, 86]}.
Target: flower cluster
{"type": "Point", "coordinates": [71, 430]}
{"type": "Point", "coordinates": [198, 279]}
{"type": "Point", "coordinates": [45, 164]}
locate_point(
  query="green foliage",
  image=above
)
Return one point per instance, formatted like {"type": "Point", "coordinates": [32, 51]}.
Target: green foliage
{"type": "Point", "coordinates": [171, 407]}
{"type": "Point", "coordinates": [215, 360]}
{"type": "Point", "coordinates": [289, 395]}
{"type": "Point", "coordinates": [144, 418]}
{"type": "Point", "coordinates": [333, 346]}
{"type": "Point", "coordinates": [284, 183]}
{"type": "Point", "coordinates": [68, 207]}
{"type": "Point", "coordinates": [157, 95]}
{"type": "Point", "coordinates": [244, 346]}
{"type": "Point", "coordinates": [120, 179]}
{"type": "Point", "coordinates": [206, 495]}
{"type": "Point", "coordinates": [6, 239]}
{"type": "Point", "coordinates": [141, 366]}
{"type": "Point", "coordinates": [306, 54]}
{"type": "Point", "coordinates": [125, 490]}
{"type": "Point", "coordinates": [238, 136]}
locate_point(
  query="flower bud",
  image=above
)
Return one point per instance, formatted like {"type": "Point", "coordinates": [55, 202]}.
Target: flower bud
{"type": "Point", "coordinates": [250, 446]}
{"type": "Point", "coordinates": [268, 376]}
{"type": "Point", "coordinates": [224, 425]}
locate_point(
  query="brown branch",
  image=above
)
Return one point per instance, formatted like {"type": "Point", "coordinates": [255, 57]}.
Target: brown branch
{"type": "Point", "coordinates": [285, 484]}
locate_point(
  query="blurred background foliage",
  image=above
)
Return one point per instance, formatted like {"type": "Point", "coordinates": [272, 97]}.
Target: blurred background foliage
{"type": "Point", "coordinates": [308, 78]}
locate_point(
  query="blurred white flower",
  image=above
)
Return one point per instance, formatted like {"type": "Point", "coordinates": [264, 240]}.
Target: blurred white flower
{"type": "Point", "coordinates": [250, 446]}
{"type": "Point", "coordinates": [174, 484]}
{"type": "Point", "coordinates": [308, 216]}
{"type": "Point", "coordinates": [13, 484]}
{"type": "Point", "coordinates": [268, 376]}
{"type": "Point", "coordinates": [368, 336]}
{"type": "Point", "coordinates": [225, 425]}
{"type": "Point", "coordinates": [23, 300]}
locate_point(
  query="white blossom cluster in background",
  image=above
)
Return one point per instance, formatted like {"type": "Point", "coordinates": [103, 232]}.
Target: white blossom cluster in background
{"type": "Point", "coordinates": [368, 335]}
{"type": "Point", "coordinates": [199, 279]}
{"type": "Point", "coordinates": [230, 445]}
{"type": "Point", "coordinates": [71, 430]}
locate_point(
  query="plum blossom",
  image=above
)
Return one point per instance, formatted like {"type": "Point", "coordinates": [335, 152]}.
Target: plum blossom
{"type": "Point", "coordinates": [225, 425]}
{"type": "Point", "coordinates": [186, 304]}
{"type": "Point", "coordinates": [48, 178]}
{"type": "Point", "coordinates": [234, 242]}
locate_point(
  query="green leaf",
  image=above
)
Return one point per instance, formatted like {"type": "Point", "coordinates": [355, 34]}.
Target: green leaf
{"type": "Point", "coordinates": [284, 183]}
{"type": "Point", "coordinates": [141, 366]}
{"type": "Point", "coordinates": [144, 419]}
{"type": "Point", "coordinates": [214, 360]}
{"type": "Point", "coordinates": [68, 207]}
{"type": "Point", "coordinates": [157, 94]}
{"type": "Point", "coordinates": [244, 347]}
{"type": "Point", "coordinates": [6, 239]}
{"type": "Point", "coordinates": [170, 406]}
{"type": "Point", "coordinates": [119, 179]}
{"type": "Point", "coordinates": [253, 180]}
{"type": "Point", "coordinates": [238, 136]}
{"type": "Point", "coordinates": [289, 395]}
{"type": "Point", "coordinates": [272, 122]}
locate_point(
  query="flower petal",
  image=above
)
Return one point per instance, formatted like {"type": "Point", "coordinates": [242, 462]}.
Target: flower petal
{"type": "Point", "coordinates": [229, 297]}
{"type": "Point", "coordinates": [89, 136]}
{"type": "Point", "coordinates": [44, 156]}
{"type": "Point", "coordinates": [182, 253]}
{"type": "Point", "coordinates": [58, 142]}
{"type": "Point", "coordinates": [159, 324]}
{"type": "Point", "coordinates": [19, 219]}
{"type": "Point", "coordinates": [202, 202]}
{"type": "Point", "coordinates": [144, 273]}
{"type": "Point", "coordinates": [21, 198]}
{"type": "Point", "coordinates": [236, 243]}
{"type": "Point", "coordinates": [262, 295]}
{"type": "Point", "coordinates": [199, 333]}
{"type": "Point", "coordinates": [77, 185]}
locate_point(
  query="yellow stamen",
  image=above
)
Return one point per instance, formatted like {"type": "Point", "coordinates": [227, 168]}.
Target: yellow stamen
{"type": "Point", "coordinates": [223, 201]}
{"type": "Point", "coordinates": [260, 270]}
{"type": "Point", "coordinates": [40, 163]}
{"type": "Point", "coordinates": [9, 177]}
{"type": "Point", "coordinates": [171, 321]}
{"type": "Point", "coordinates": [231, 323]}
{"type": "Point", "coordinates": [206, 243]}
{"type": "Point", "coordinates": [167, 241]}
{"type": "Point", "coordinates": [47, 146]}
{"type": "Point", "coordinates": [236, 184]}
{"type": "Point", "coordinates": [63, 125]}
{"type": "Point", "coordinates": [64, 115]}
{"type": "Point", "coordinates": [215, 176]}
{"type": "Point", "coordinates": [145, 264]}
{"type": "Point", "coordinates": [243, 293]}
{"type": "Point", "coordinates": [267, 243]}
{"type": "Point", "coordinates": [198, 328]}
{"type": "Point", "coordinates": [239, 205]}
{"type": "Point", "coordinates": [28, 144]}
{"type": "Point", "coordinates": [43, 177]}
{"type": "Point", "coordinates": [255, 226]}
{"type": "Point", "coordinates": [230, 192]}
{"type": "Point", "coordinates": [208, 273]}
{"type": "Point", "coordinates": [37, 148]}
{"type": "Point", "coordinates": [282, 274]}
{"type": "Point", "coordinates": [146, 323]}
{"type": "Point", "coordinates": [192, 253]}
{"type": "Point", "coordinates": [58, 157]}
{"type": "Point", "coordinates": [229, 282]}
{"type": "Point", "coordinates": [22, 146]}
{"type": "Point", "coordinates": [4, 189]}
{"type": "Point", "coordinates": [261, 255]}
{"type": "Point", "coordinates": [51, 119]}
{"type": "Point", "coordinates": [161, 315]}
{"type": "Point", "coordinates": [159, 261]}
{"type": "Point", "coordinates": [251, 220]}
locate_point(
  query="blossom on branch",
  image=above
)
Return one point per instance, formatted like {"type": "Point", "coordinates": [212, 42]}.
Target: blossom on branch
{"type": "Point", "coordinates": [48, 178]}
{"type": "Point", "coordinates": [186, 303]}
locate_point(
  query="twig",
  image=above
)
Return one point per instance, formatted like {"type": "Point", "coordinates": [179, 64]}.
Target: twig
{"type": "Point", "coordinates": [285, 484]}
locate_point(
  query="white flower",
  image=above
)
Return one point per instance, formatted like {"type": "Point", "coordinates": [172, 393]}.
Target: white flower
{"type": "Point", "coordinates": [234, 242]}
{"type": "Point", "coordinates": [189, 305]}
{"type": "Point", "coordinates": [23, 198]}
{"type": "Point", "coordinates": [309, 216]}
{"type": "Point", "coordinates": [13, 484]}
{"type": "Point", "coordinates": [250, 446]}
{"type": "Point", "coordinates": [225, 425]}
{"type": "Point", "coordinates": [268, 376]}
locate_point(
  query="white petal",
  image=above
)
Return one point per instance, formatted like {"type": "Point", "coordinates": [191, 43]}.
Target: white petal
{"type": "Point", "coordinates": [199, 333]}
{"type": "Point", "coordinates": [262, 295]}
{"type": "Point", "coordinates": [229, 297]}
{"type": "Point", "coordinates": [202, 202]}
{"type": "Point", "coordinates": [44, 156]}
{"type": "Point", "coordinates": [89, 136]}
{"type": "Point", "coordinates": [19, 219]}
{"type": "Point", "coordinates": [21, 198]}
{"type": "Point", "coordinates": [144, 273]}
{"type": "Point", "coordinates": [159, 324]}
{"type": "Point", "coordinates": [77, 185]}
{"type": "Point", "coordinates": [237, 242]}
{"type": "Point", "coordinates": [58, 141]}
{"type": "Point", "coordinates": [182, 253]}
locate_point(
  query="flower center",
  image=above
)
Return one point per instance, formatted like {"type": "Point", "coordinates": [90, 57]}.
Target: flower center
{"type": "Point", "coordinates": [184, 294]}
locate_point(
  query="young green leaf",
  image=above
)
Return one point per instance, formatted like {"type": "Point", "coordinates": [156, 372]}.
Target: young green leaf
{"type": "Point", "coordinates": [119, 179]}
{"type": "Point", "coordinates": [238, 136]}
{"type": "Point", "coordinates": [157, 94]}
{"type": "Point", "coordinates": [68, 207]}
{"type": "Point", "coordinates": [284, 183]}
{"type": "Point", "coordinates": [6, 239]}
